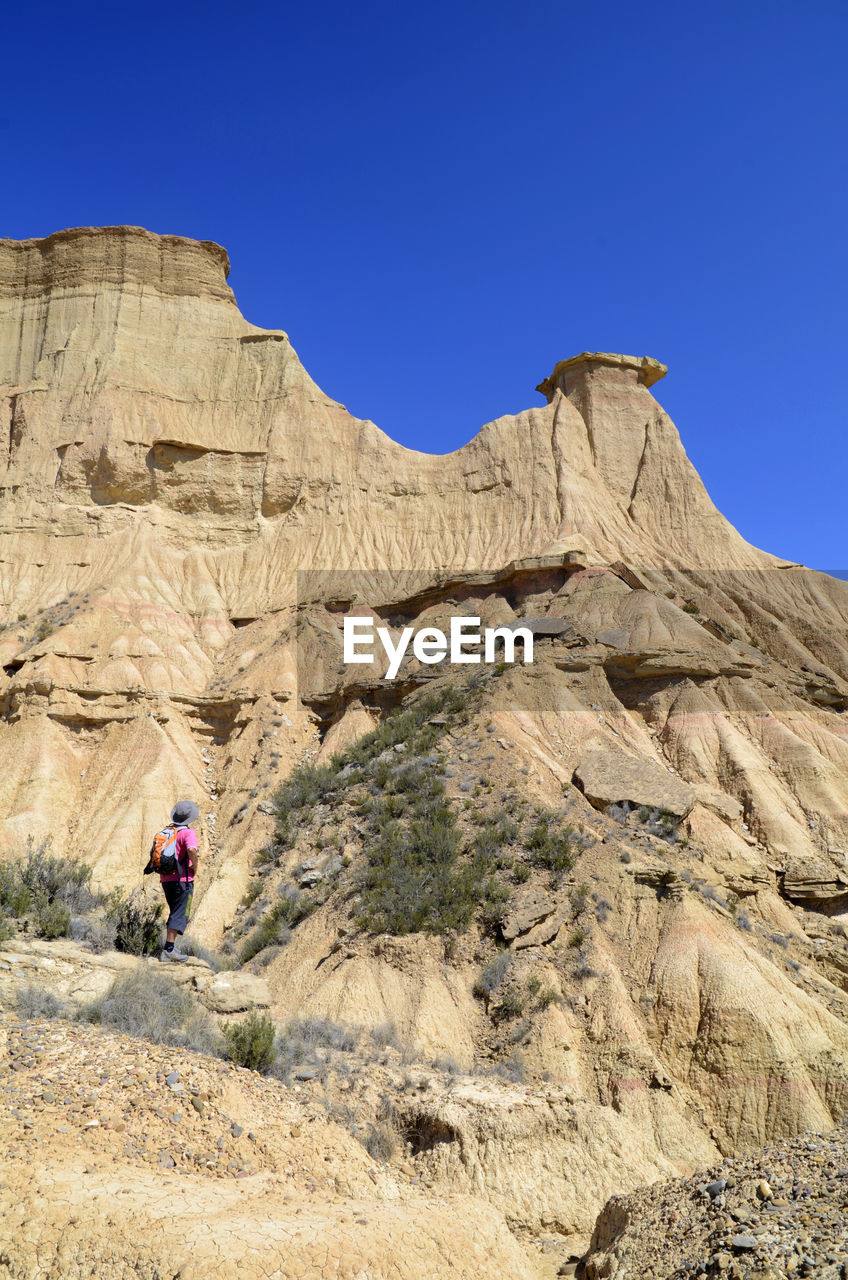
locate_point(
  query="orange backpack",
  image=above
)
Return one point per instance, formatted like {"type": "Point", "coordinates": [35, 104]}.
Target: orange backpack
{"type": "Point", "coordinates": [163, 854]}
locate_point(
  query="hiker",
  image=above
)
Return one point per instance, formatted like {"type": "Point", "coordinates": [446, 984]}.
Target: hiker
{"type": "Point", "coordinates": [174, 856]}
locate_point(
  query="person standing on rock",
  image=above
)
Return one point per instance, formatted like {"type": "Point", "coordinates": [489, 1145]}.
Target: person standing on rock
{"type": "Point", "coordinates": [174, 856]}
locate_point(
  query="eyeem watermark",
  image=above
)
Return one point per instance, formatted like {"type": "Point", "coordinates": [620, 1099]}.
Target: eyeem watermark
{"type": "Point", "coordinates": [430, 645]}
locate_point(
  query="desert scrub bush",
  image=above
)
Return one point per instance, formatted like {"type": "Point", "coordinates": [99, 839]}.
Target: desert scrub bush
{"type": "Point", "coordinates": [492, 976]}
{"type": "Point", "coordinates": [310, 1043]}
{"type": "Point", "coordinates": [250, 1043]}
{"type": "Point", "coordinates": [690, 607]}
{"type": "Point", "coordinates": [511, 1004]}
{"type": "Point", "coordinates": [446, 1064]}
{"type": "Point", "coordinates": [413, 880]}
{"type": "Point", "coordinates": [274, 929]}
{"type": "Point", "coordinates": [15, 897]}
{"type": "Point", "coordinates": [521, 873]}
{"type": "Point", "coordinates": [548, 847]}
{"type": "Point", "coordinates": [619, 812]}
{"type": "Point", "coordinates": [52, 920]}
{"type": "Point", "coordinates": [743, 921]}
{"type": "Point", "coordinates": [579, 898]}
{"type": "Point", "coordinates": [625, 856]}
{"type": "Point", "coordinates": [546, 997]}
{"type": "Point", "coordinates": [414, 728]}
{"type": "Point", "coordinates": [494, 833]}
{"type": "Point", "coordinates": [35, 1001]}
{"type": "Point", "coordinates": [710, 895]}
{"type": "Point", "coordinates": [385, 1035]}
{"type": "Point", "coordinates": [603, 910]}
{"type": "Point", "coordinates": [45, 889]}
{"type": "Point", "coordinates": [306, 786]}
{"type": "Point", "coordinates": [493, 897]}
{"type": "Point", "coordinates": [266, 856]}
{"type": "Point", "coordinates": [55, 878]}
{"type": "Point", "coordinates": [511, 1069]}
{"type": "Point", "coordinates": [578, 937]}
{"type": "Point", "coordinates": [138, 923]}
{"type": "Point", "coordinates": [381, 1140]}
{"type": "Point", "coordinates": [216, 961]}
{"type": "Point", "coordinates": [250, 895]}
{"type": "Point", "coordinates": [97, 933]}
{"type": "Point", "coordinates": [152, 1006]}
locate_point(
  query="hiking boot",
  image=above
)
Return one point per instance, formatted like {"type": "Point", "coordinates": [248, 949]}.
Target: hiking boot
{"type": "Point", "coordinates": [174, 955]}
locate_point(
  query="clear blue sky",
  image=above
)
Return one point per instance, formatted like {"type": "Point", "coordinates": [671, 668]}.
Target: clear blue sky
{"type": "Point", "coordinates": [439, 201]}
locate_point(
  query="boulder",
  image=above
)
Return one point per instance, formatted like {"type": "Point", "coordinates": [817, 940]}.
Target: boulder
{"type": "Point", "coordinates": [236, 992]}
{"type": "Point", "coordinates": [529, 909]}
{"type": "Point", "coordinates": [607, 776]}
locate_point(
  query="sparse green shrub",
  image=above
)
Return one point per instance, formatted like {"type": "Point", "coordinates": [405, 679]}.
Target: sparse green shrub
{"type": "Point", "coordinates": [411, 882]}
{"type": "Point", "coordinates": [47, 889]}
{"type": "Point", "coordinates": [274, 929]}
{"type": "Point", "coordinates": [52, 920]}
{"type": "Point", "coordinates": [15, 897]}
{"type": "Point", "coordinates": [55, 878]}
{"type": "Point", "coordinates": [521, 873]}
{"type": "Point", "coordinates": [510, 1005]}
{"type": "Point", "coordinates": [546, 997]}
{"type": "Point", "coordinates": [549, 848]}
{"type": "Point", "coordinates": [137, 921]}
{"type": "Point", "coordinates": [577, 938]}
{"type": "Point", "coordinates": [493, 897]}
{"type": "Point", "coordinates": [250, 1043]}
{"type": "Point", "coordinates": [579, 898]}
{"type": "Point", "coordinates": [250, 894]}
{"type": "Point", "coordinates": [690, 607]}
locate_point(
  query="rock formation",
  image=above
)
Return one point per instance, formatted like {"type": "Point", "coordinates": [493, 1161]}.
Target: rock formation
{"type": "Point", "coordinates": [185, 521]}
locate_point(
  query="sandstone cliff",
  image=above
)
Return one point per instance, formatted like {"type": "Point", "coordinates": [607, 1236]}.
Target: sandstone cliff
{"type": "Point", "coordinates": [185, 521]}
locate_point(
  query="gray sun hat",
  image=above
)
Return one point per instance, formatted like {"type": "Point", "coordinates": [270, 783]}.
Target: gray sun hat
{"type": "Point", "coordinates": [184, 813]}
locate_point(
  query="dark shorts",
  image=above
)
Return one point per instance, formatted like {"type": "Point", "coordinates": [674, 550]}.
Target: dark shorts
{"type": "Point", "coordinates": [178, 895]}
